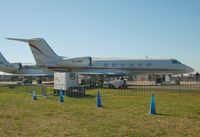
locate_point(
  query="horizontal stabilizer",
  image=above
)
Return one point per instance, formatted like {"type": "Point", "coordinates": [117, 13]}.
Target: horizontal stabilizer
{"type": "Point", "coordinates": [24, 40]}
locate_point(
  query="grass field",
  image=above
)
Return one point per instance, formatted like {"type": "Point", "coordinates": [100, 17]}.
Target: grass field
{"type": "Point", "coordinates": [122, 115]}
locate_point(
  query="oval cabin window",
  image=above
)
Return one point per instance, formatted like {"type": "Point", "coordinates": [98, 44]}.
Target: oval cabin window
{"type": "Point", "coordinates": [114, 65]}
{"type": "Point", "coordinates": [148, 65]}
{"type": "Point", "coordinates": [105, 65]}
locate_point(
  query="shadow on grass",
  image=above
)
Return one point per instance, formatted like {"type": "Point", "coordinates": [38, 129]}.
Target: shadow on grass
{"type": "Point", "coordinates": [167, 115]}
{"type": "Point", "coordinates": [89, 96]}
{"type": "Point", "coordinates": [83, 97]}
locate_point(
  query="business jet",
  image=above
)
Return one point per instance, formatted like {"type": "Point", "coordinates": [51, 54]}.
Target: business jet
{"type": "Point", "coordinates": [46, 57]}
{"type": "Point", "coordinates": [18, 69]}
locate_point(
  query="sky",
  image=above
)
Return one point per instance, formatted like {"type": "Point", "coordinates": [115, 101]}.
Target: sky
{"type": "Point", "coordinates": [133, 29]}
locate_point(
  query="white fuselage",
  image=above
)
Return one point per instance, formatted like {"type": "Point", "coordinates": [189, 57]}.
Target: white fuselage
{"type": "Point", "coordinates": [147, 66]}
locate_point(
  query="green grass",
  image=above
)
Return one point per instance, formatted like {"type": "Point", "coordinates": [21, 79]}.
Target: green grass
{"type": "Point", "coordinates": [123, 114]}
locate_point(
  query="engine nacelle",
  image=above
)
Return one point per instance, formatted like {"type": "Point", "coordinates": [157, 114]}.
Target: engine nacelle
{"type": "Point", "coordinates": [76, 62]}
{"type": "Point", "coordinates": [14, 67]}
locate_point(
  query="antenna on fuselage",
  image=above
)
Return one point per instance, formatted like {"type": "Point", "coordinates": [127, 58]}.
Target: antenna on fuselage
{"type": "Point", "coordinates": [147, 57]}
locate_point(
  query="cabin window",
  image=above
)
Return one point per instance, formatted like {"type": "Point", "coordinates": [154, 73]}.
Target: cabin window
{"type": "Point", "coordinates": [114, 65]}
{"type": "Point", "coordinates": [148, 65]}
{"type": "Point", "coordinates": [105, 65]}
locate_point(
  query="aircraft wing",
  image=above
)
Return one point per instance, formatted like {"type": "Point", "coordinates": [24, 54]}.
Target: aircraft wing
{"type": "Point", "coordinates": [96, 73]}
{"type": "Point", "coordinates": [100, 73]}
{"type": "Point", "coordinates": [32, 75]}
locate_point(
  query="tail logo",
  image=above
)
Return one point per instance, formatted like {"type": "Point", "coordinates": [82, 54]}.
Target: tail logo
{"type": "Point", "coordinates": [36, 48]}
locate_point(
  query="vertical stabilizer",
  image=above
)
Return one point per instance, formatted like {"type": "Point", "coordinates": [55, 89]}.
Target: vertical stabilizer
{"type": "Point", "coordinates": [42, 52]}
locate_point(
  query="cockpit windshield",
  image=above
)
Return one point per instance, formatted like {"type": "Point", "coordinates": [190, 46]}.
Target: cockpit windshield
{"type": "Point", "coordinates": [176, 62]}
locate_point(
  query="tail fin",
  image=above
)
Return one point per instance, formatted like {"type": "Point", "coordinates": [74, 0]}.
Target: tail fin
{"type": "Point", "coordinates": [3, 60]}
{"type": "Point", "coordinates": [42, 52]}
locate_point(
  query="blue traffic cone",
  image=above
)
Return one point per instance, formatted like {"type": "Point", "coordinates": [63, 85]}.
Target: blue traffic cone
{"type": "Point", "coordinates": [152, 106]}
{"type": "Point", "coordinates": [61, 96]}
{"type": "Point", "coordinates": [98, 100]}
{"type": "Point", "coordinates": [34, 96]}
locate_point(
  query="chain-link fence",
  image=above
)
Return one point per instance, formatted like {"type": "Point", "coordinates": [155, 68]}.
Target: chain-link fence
{"type": "Point", "coordinates": [148, 87]}
{"type": "Point", "coordinates": [131, 88]}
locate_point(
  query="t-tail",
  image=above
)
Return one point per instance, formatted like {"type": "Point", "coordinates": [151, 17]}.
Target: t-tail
{"type": "Point", "coordinates": [42, 52]}
{"type": "Point", "coordinates": [8, 67]}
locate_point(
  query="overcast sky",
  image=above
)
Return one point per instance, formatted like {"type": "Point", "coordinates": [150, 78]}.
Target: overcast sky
{"type": "Point", "coordinates": [104, 28]}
